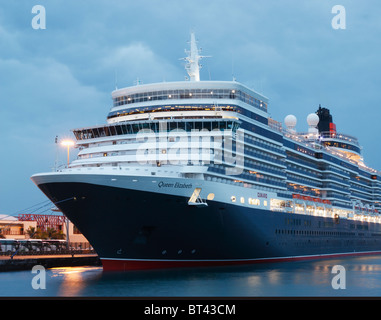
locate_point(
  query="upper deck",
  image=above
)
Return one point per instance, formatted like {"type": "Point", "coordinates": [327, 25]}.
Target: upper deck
{"type": "Point", "coordinates": [183, 93]}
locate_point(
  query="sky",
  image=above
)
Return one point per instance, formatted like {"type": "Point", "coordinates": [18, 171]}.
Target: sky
{"type": "Point", "coordinates": [60, 78]}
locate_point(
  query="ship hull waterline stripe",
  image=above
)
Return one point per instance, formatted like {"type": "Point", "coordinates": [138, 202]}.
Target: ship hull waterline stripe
{"type": "Point", "coordinates": [144, 264]}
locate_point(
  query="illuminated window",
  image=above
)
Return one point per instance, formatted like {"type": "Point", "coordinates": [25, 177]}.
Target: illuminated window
{"type": "Point", "coordinates": [242, 200]}
{"type": "Point", "coordinates": [233, 198]}
{"type": "Point", "coordinates": [210, 196]}
{"type": "Point", "coordinates": [254, 202]}
{"type": "Point", "coordinates": [265, 203]}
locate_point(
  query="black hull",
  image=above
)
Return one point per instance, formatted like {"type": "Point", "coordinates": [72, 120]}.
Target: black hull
{"type": "Point", "coordinates": [133, 229]}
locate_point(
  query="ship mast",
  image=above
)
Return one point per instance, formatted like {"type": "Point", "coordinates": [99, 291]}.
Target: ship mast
{"type": "Point", "coordinates": [193, 66]}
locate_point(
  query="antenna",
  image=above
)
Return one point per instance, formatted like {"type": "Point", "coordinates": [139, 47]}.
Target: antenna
{"type": "Point", "coordinates": [234, 79]}
{"type": "Point", "coordinates": [138, 82]}
{"type": "Point", "coordinates": [56, 160]}
{"type": "Point", "coordinates": [193, 65]}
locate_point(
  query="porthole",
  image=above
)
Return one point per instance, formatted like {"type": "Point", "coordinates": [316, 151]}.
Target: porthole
{"type": "Point", "coordinates": [210, 196]}
{"type": "Point", "coordinates": [233, 198]}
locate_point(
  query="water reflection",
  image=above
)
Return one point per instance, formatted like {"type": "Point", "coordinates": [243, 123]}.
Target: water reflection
{"type": "Point", "coordinates": [73, 280]}
{"type": "Point", "coordinates": [290, 279]}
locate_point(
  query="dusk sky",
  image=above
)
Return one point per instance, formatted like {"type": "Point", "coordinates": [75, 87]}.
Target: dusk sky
{"type": "Point", "coordinates": [60, 78]}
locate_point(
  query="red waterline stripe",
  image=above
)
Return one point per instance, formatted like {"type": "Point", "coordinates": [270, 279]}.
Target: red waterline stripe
{"type": "Point", "coordinates": [126, 264]}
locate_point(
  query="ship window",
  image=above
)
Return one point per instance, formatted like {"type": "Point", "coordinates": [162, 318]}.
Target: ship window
{"type": "Point", "coordinates": [233, 198]}
{"type": "Point", "coordinates": [242, 200]}
{"type": "Point", "coordinates": [198, 125]}
{"type": "Point", "coordinates": [210, 196]}
{"type": "Point", "coordinates": [255, 202]}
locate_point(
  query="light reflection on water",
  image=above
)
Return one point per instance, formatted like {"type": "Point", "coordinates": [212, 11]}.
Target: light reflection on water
{"type": "Point", "coordinates": [290, 279]}
{"type": "Point", "coordinates": [74, 279]}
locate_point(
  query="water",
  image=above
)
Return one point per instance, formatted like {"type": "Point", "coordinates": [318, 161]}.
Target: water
{"type": "Point", "coordinates": [289, 279]}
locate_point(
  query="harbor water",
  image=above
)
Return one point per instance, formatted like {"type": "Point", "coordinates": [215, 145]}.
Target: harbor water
{"type": "Point", "coordinates": [352, 277]}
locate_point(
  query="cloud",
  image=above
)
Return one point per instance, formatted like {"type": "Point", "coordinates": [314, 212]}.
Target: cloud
{"type": "Point", "coordinates": [138, 61]}
{"type": "Point", "coordinates": [8, 42]}
{"type": "Point", "coordinates": [38, 101]}
{"type": "Point", "coordinates": [45, 92]}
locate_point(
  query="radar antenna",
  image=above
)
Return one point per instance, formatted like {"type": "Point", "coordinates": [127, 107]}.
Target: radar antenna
{"type": "Point", "coordinates": [193, 65]}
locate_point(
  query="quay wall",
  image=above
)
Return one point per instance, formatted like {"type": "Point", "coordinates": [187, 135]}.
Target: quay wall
{"type": "Point", "coordinates": [28, 262]}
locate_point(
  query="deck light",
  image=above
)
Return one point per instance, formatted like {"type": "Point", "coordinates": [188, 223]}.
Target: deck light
{"type": "Point", "coordinates": [68, 144]}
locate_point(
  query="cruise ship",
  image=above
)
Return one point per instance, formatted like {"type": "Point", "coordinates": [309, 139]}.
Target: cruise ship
{"type": "Point", "coordinates": [196, 173]}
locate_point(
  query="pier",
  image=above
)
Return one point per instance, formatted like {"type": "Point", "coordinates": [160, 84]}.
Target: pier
{"type": "Point", "coordinates": [27, 262]}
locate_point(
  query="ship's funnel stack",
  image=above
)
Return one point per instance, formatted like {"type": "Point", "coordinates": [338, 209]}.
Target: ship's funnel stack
{"type": "Point", "coordinates": [325, 120]}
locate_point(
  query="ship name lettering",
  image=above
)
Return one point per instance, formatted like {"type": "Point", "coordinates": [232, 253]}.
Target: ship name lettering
{"type": "Point", "coordinates": [165, 185]}
{"type": "Point", "coordinates": [262, 195]}
{"type": "Point", "coordinates": [183, 185]}
{"type": "Point", "coordinates": [179, 185]}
